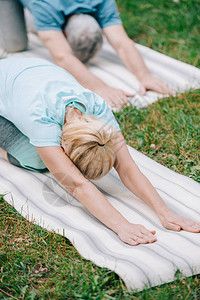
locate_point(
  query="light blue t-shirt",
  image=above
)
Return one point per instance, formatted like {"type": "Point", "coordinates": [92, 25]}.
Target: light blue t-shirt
{"type": "Point", "coordinates": [34, 94]}
{"type": "Point", "coordinates": [52, 14]}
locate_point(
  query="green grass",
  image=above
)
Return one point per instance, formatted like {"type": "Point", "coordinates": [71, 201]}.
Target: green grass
{"type": "Point", "coordinates": [168, 27]}
{"type": "Point", "coordinates": [37, 264]}
{"type": "Point", "coordinates": [167, 131]}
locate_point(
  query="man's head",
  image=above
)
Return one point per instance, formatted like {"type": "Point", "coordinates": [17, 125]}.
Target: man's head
{"type": "Point", "coordinates": [89, 143]}
{"type": "Point", "coordinates": [84, 36]}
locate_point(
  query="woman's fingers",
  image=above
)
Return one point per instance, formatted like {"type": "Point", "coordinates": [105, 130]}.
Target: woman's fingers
{"type": "Point", "coordinates": [145, 239]}
{"type": "Point", "coordinates": [189, 225]}
{"type": "Point", "coordinates": [142, 240]}
{"type": "Point", "coordinates": [173, 227]}
{"type": "Point", "coordinates": [135, 234]}
{"type": "Point", "coordinates": [144, 236]}
{"type": "Point", "coordinates": [132, 242]}
{"type": "Point", "coordinates": [175, 222]}
{"type": "Point", "coordinates": [146, 231]}
{"type": "Point", "coordinates": [153, 231]}
{"type": "Point", "coordinates": [183, 226]}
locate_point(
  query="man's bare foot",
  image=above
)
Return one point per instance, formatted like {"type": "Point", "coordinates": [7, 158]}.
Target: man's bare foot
{"type": "Point", "coordinates": [172, 221]}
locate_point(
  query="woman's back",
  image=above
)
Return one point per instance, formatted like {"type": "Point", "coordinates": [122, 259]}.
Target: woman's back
{"type": "Point", "coordinates": [34, 94]}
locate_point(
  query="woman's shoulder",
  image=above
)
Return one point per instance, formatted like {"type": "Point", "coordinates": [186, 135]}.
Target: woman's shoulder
{"type": "Point", "coordinates": [13, 66]}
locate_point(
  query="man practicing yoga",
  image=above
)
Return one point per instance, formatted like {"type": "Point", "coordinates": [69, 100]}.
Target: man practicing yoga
{"type": "Point", "coordinates": [72, 32]}
{"type": "Point", "coordinates": [72, 132]}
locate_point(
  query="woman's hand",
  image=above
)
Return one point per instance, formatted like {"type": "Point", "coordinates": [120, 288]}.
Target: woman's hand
{"type": "Point", "coordinates": [135, 234]}
{"type": "Point", "coordinates": [172, 221]}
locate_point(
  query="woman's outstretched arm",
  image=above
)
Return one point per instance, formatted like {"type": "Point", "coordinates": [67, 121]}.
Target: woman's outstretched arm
{"type": "Point", "coordinates": [83, 190]}
{"type": "Point", "coordinates": [139, 185]}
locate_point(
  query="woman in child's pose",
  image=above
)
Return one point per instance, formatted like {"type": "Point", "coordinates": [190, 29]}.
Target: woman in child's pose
{"type": "Point", "coordinates": [71, 131]}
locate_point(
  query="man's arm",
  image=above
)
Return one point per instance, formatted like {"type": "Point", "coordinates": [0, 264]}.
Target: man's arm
{"type": "Point", "coordinates": [63, 56]}
{"type": "Point", "coordinates": [83, 190]}
{"type": "Point", "coordinates": [139, 185]}
{"type": "Point", "coordinates": [128, 53]}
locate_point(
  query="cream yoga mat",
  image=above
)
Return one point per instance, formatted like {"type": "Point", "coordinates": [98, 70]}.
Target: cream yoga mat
{"type": "Point", "coordinates": [109, 68]}
{"type": "Point", "coordinates": [40, 198]}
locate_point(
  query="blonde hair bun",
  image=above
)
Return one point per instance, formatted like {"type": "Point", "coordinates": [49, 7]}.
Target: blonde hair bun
{"type": "Point", "coordinates": [88, 142]}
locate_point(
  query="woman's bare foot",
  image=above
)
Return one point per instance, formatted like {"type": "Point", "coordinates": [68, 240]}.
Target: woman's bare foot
{"type": "Point", "coordinates": [4, 153]}
{"type": "Point", "coordinates": [172, 221]}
